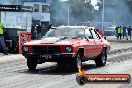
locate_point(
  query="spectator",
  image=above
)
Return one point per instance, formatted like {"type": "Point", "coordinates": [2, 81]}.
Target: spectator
{"type": "Point", "coordinates": [49, 26]}
{"type": "Point", "coordinates": [116, 29]}
{"type": "Point", "coordinates": [32, 32]}
{"type": "Point", "coordinates": [125, 33]}
{"type": "Point", "coordinates": [119, 32]}
{"type": "Point", "coordinates": [129, 31]}
{"type": "Point", "coordinates": [44, 30]}
{"type": "Point", "coordinates": [2, 43]}
{"type": "Point", "coordinates": [39, 31]}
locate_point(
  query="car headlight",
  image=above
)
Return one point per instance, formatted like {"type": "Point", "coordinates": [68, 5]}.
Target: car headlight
{"type": "Point", "coordinates": [68, 49]}
{"type": "Point", "coordinates": [25, 48]}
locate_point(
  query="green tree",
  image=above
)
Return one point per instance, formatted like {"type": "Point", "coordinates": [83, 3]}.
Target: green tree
{"type": "Point", "coordinates": [129, 3]}
{"type": "Point", "coordinates": [58, 12]}
{"type": "Point", "coordinates": [80, 11]}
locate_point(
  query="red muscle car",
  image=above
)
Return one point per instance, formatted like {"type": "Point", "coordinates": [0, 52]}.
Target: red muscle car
{"type": "Point", "coordinates": [67, 45]}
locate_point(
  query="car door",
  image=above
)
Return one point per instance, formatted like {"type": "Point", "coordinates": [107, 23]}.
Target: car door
{"type": "Point", "coordinates": [90, 44]}
{"type": "Point", "coordinates": [98, 43]}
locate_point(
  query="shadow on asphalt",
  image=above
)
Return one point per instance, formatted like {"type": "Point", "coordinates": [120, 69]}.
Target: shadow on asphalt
{"type": "Point", "coordinates": [56, 70]}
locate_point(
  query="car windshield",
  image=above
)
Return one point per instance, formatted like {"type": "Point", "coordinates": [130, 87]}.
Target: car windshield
{"type": "Point", "coordinates": [66, 32]}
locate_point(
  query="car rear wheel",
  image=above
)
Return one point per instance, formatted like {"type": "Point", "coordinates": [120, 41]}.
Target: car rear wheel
{"type": "Point", "coordinates": [31, 64]}
{"type": "Point", "coordinates": [101, 59]}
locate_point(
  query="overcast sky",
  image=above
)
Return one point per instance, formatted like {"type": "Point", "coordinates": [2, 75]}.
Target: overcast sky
{"type": "Point", "coordinates": [94, 2]}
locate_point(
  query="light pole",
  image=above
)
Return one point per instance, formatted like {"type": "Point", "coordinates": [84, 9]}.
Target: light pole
{"type": "Point", "coordinates": [103, 17]}
{"type": "Point", "coordinates": [68, 13]}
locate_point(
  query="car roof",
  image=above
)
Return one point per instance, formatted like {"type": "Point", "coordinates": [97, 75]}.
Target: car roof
{"type": "Point", "coordinates": [90, 27]}
{"type": "Point", "coordinates": [83, 27]}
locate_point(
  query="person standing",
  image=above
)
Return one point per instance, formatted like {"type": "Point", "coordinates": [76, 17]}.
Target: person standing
{"type": "Point", "coordinates": [125, 33]}
{"type": "Point", "coordinates": [35, 32]}
{"type": "Point", "coordinates": [129, 31]}
{"type": "Point", "coordinates": [116, 29]}
{"type": "Point", "coordinates": [32, 32]}
{"type": "Point", "coordinates": [2, 43]}
{"type": "Point", "coordinates": [49, 27]}
{"type": "Point", "coordinates": [43, 30]}
{"type": "Point", "coordinates": [119, 32]}
{"type": "Point", "coordinates": [39, 31]}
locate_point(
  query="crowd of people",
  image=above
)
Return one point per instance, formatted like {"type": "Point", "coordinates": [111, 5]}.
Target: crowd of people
{"type": "Point", "coordinates": [123, 32]}
{"type": "Point", "coordinates": [39, 30]}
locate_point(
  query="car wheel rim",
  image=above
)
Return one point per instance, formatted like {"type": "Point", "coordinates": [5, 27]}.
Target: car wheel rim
{"type": "Point", "coordinates": [104, 58]}
{"type": "Point", "coordinates": [79, 61]}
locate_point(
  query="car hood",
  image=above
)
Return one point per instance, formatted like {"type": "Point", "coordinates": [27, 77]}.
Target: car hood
{"type": "Point", "coordinates": [53, 40]}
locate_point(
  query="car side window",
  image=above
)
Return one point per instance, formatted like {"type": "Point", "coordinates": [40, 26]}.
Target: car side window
{"type": "Point", "coordinates": [95, 36]}
{"type": "Point", "coordinates": [88, 34]}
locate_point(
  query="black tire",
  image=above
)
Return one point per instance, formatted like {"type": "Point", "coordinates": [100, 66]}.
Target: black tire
{"type": "Point", "coordinates": [61, 64]}
{"type": "Point", "coordinates": [81, 80]}
{"type": "Point", "coordinates": [31, 64]}
{"type": "Point", "coordinates": [101, 59]}
{"type": "Point", "coordinates": [77, 61]}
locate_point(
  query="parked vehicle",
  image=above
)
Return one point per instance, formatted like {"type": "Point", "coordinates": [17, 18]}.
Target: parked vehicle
{"type": "Point", "coordinates": [70, 45]}
{"type": "Point", "coordinates": [110, 31]}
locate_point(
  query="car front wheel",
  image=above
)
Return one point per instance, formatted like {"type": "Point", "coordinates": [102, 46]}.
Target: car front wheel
{"type": "Point", "coordinates": [31, 64]}
{"type": "Point", "coordinates": [77, 61]}
{"type": "Point", "coordinates": [101, 59]}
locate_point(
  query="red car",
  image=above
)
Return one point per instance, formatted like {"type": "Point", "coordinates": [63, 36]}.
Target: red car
{"type": "Point", "coordinates": [67, 45]}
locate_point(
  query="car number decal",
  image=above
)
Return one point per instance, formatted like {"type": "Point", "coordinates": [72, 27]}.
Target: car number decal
{"type": "Point", "coordinates": [45, 56]}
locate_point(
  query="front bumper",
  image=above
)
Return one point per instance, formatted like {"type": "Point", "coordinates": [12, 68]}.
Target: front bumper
{"type": "Point", "coordinates": [50, 57]}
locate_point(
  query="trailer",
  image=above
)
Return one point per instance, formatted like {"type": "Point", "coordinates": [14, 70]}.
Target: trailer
{"type": "Point", "coordinates": [16, 19]}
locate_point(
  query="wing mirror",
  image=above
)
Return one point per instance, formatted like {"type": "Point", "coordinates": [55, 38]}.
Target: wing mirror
{"type": "Point", "coordinates": [105, 37]}
{"type": "Point", "coordinates": [90, 37]}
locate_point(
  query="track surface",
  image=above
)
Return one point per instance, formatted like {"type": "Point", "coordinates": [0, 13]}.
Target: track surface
{"type": "Point", "coordinates": [15, 74]}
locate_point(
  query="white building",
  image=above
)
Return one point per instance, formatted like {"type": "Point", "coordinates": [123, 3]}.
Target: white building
{"type": "Point", "coordinates": [41, 10]}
